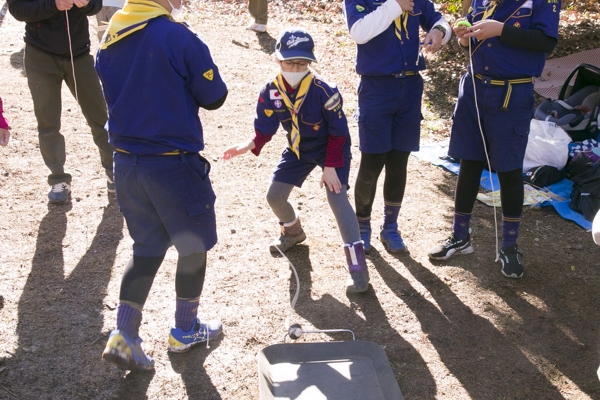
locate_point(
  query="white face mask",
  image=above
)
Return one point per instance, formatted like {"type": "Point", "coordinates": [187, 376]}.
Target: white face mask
{"type": "Point", "coordinates": [293, 78]}
{"type": "Point", "coordinates": [175, 11]}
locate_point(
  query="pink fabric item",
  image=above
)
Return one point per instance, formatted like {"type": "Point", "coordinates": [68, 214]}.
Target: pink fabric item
{"type": "Point", "coordinates": [259, 141]}
{"type": "Point", "coordinates": [334, 155]}
{"type": "Point", "coordinates": [557, 70]}
{"type": "Point", "coordinates": [3, 121]}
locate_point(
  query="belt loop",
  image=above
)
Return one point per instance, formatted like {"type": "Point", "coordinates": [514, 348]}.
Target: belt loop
{"type": "Point", "coordinates": [135, 159]}
{"type": "Point", "coordinates": [182, 156]}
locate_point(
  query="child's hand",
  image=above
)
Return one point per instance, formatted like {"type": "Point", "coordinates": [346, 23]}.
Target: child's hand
{"type": "Point", "coordinates": [238, 149]}
{"type": "Point", "coordinates": [460, 31]}
{"type": "Point", "coordinates": [484, 29]}
{"type": "Point", "coordinates": [80, 3]}
{"type": "Point", "coordinates": [4, 136]}
{"type": "Point", "coordinates": [433, 41]}
{"type": "Point", "coordinates": [63, 5]}
{"type": "Point", "coordinates": [331, 179]}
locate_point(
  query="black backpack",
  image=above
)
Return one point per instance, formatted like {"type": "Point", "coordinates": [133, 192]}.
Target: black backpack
{"type": "Point", "coordinates": [585, 196]}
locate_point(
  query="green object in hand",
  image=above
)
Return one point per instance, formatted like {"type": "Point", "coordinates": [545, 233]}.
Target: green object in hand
{"type": "Point", "coordinates": [464, 23]}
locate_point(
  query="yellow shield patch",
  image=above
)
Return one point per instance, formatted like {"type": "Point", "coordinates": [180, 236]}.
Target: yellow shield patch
{"type": "Point", "coordinates": [268, 113]}
{"type": "Point", "coordinates": [209, 74]}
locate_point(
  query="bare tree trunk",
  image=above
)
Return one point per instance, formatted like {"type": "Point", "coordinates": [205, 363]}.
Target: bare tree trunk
{"type": "Point", "coordinates": [465, 7]}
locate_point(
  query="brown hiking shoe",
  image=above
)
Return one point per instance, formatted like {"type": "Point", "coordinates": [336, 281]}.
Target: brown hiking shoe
{"type": "Point", "coordinates": [286, 242]}
{"type": "Point", "coordinates": [291, 235]}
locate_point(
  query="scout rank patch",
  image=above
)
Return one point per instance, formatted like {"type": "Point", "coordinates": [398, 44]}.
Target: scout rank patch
{"type": "Point", "coordinates": [333, 102]}
{"type": "Point", "coordinates": [209, 74]}
{"type": "Point", "coordinates": [268, 113]}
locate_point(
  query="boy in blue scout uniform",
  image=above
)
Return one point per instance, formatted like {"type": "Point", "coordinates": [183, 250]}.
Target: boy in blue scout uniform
{"type": "Point", "coordinates": [508, 41]}
{"type": "Point", "coordinates": [310, 111]}
{"type": "Point", "coordinates": [156, 73]}
{"type": "Point", "coordinates": [388, 61]}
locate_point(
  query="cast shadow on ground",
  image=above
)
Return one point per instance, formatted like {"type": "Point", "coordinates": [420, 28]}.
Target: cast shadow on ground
{"type": "Point", "coordinates": [198, 384]}
{"type": "Point", "coordinates": [554, 328]}
{"type": "Point", "coordinates": [266, 42]}
{"type": "Point", "coordinates": [134, 385]}
{"type": "Point", "coordinates": [471, 348]}
{"type": "Point", "coordinates": [411, 372]}
{"type": "Point", "coordinates": [16, 61]}
{"type": "Point", "coordinates": [60, 315]}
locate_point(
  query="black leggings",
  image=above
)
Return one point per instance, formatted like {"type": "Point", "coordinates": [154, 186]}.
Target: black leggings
{"type": "Point", "coordinates": [140, 272]}
{"type": "Point", "coordinates": [467, 187]}
{"type": "Point", "coordinates": [395, 163]}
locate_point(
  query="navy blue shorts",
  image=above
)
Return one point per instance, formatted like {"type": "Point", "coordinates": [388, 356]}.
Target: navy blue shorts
{"type": "Point", "coordinates": [389, 113]}
{"type": "Point", "coordinates": [505, 132]}
{"type": "Point", "coordinates": [166, 200]}
{"type": "Point", "coordinates": [293, 171]}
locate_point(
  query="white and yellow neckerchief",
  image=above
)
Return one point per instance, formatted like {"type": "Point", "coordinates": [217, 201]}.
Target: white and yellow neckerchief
{"type": "Point", "coordinates": [489, 10]}
{"type": "Point", "coordinates": [294, 139]}
{"type": "Point", "coordinates": [134, 16]}
{"type": "Point", "coordinates": [400, 25]}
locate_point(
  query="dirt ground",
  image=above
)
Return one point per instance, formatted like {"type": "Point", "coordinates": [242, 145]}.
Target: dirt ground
{"type": "Point", "coordinates": [451, 330]}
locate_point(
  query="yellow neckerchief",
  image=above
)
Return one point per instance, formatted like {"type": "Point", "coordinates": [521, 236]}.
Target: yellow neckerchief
{"type": "Point", "coordinates": [489, 9]}
{"type": "Point", "coordinates": [294, 138]}
{"type": "Point", "coordinates": [134, 16]}
{"type": "Point", "coordinates": [401, 23]}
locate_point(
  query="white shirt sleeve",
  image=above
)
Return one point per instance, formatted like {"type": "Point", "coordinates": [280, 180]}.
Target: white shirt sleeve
{"type": "Point", "coordinates": [376, 22]}
{"type": "Point", "coordinates": [442, 22]}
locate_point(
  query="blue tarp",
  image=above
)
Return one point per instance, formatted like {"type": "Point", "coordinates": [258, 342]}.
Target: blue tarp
{"type": "Point", "coordinates": [437, 154]}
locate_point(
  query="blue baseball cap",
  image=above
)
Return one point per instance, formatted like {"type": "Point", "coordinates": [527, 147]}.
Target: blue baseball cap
{"type": "Point", "coordinates": [294, 43]}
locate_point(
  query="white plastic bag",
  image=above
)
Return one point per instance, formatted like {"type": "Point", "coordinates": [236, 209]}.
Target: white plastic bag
{"type": "Point", "coordinates": [548, 144]}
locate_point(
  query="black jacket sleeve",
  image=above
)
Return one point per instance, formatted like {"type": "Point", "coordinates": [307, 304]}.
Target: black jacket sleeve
{"type": "Point", "coordinates": [529, 39]}
{"type": "Point", "coordinates": [32, 11]}
{"type": "Point", "coordinates": [92, 8]}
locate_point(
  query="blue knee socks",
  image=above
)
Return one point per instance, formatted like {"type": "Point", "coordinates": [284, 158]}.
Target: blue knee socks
{"type": "Point", "coordinates": [460, 225]}
{"type": "Point", "coordinates": [129, 318]}
{"type": "Point", "coordinates": [390, 213]}
{"type": "Point", "coordinates": [186, 311]}
{"type": "Point", "coordinates": [510, 230]}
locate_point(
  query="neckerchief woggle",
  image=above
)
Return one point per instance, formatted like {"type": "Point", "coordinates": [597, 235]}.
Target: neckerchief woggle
{"type": "Point", "coordinates": [294, 139]}
{"type": "Point", "coordinates": [134, 16]}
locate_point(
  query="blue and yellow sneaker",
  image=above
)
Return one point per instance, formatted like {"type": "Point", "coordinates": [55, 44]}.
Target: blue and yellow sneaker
{"type": "Point", "coordinates": [180, 341]}
{"type": "Point", "coordinates": [126, 352]}
{"type": "Point", "coordinates": [391, 239]}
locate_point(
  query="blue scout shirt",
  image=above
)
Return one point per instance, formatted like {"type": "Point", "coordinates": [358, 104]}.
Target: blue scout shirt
{"type": "Point", "coordinates": [149, 118]}
{"type": "Point", "coordinates": [385, 54]}
{"type": "Point", "coordinates": [493, 58]}
{"type": "Point", "coordinates": [321, 115]}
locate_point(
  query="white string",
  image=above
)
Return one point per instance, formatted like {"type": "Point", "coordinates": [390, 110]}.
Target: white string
{"type": "Point", "coordinates": [297, 293]}
{"type": "Point", "coordinates": [71, 53]}
{"type": "Point", "coordinates": [487, 157]}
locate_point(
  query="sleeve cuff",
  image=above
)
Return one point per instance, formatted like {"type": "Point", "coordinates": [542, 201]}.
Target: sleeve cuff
{"type": "Point", "coordinates": [334, 155]}
{"type": "Point", "coordinates": [259, 141]}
